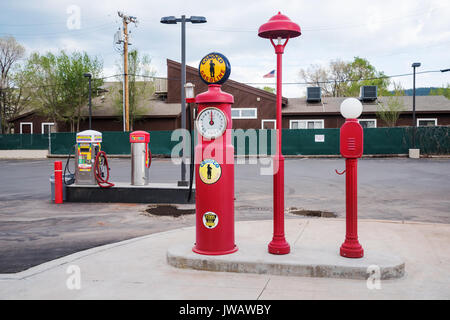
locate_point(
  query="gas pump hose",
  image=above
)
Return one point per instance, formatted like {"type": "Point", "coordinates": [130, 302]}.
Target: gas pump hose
{"type": "Point", "coordinates": [102, 161]}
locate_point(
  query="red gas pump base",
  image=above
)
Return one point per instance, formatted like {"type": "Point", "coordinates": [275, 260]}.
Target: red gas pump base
{"type": "Point", "coordinates": [215, 253]}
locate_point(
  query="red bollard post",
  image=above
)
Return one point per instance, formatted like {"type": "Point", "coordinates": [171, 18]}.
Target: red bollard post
{"type": "Point", "coordinates": [58, 182]}
{"type": "Point", "coordinates": [351, 247]}
{"type": "Point", "coordinates": [351, 147]}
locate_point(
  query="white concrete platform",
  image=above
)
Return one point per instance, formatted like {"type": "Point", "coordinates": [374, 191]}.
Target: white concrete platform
{"type": "Point", "coordinates": [300, 262]}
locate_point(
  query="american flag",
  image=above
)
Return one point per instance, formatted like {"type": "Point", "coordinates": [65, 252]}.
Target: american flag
{"type": "Point", "coordinates": [271, 74]}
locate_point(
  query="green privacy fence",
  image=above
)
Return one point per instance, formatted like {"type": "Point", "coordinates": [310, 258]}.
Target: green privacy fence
{"type": "Point", "coordinates": [24, 141]}
{"type": "Point", "coordinates": [430, 140]}
{"type": "Point", "coordinates": [114, 142]}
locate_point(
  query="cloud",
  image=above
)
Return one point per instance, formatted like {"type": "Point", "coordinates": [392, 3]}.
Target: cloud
{"type": "Point", "coordinates": [391, 34]}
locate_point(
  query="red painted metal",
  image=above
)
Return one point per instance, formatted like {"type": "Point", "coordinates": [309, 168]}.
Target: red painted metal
{"type": "Point", "coordinates": [279, 26]}
{"type": "Point", "coordinates": [58, 182]}
{"type": "Point", "coordinates": [139, 137]}
{"type": "Point", "coordinates": [217, 197]}
{"type": "Point", "coordinates": [351, 139]}
{"type": "Point", "coordinates": [351, 147]}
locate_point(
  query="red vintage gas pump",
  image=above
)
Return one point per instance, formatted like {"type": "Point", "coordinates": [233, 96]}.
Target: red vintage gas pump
{"type": "Point", "coordinates": [351, 147]}
{"type": "Point", "coordinates": [214, 161]}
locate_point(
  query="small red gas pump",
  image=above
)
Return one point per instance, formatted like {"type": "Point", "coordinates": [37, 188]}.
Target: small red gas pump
{"type": "Point", "coordinates": [351, 148]}
{"type": "Point", "coordinates": [214, 161]}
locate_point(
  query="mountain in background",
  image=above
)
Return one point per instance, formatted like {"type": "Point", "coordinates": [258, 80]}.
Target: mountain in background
{"type": "Point", "coordinates": [419, 91]}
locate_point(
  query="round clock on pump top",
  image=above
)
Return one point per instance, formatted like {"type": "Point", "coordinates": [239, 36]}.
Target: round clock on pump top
{"type": "Point", "coordinates": [211, 123]}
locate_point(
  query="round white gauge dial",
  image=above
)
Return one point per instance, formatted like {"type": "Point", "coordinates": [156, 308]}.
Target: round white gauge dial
{"type": "Point", "coordinates": [211, 123]}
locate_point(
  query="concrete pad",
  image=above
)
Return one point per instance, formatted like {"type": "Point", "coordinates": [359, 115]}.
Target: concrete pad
{"type": "Point", "coordinates": [124, 192]}
{"type": "Point", "coordinates": [324, 262]}
{"type": "Point", "coordinates": [414, 153]}
{"type": "Point", "coordinates": [23, 154]}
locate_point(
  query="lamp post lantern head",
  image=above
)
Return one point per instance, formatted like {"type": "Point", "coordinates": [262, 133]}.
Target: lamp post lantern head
{"type": "Point", "coordinates": [197, 19]}
{"type": "Point", "coordinates": [169, 20]}
{"type": "Point", "coordinates": [351, 108]}
{"type": "Point", "coordinates": [416, 65]}
{"type": "Point", "coordinates": [87, 75]}
{"type": "Point", "coordinates": [279, 26]}
{"type": "Point", "coordinates": [189, 90]}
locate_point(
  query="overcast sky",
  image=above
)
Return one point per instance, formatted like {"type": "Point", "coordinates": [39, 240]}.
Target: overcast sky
{"type": "Point", "coordinates": [390, 34]}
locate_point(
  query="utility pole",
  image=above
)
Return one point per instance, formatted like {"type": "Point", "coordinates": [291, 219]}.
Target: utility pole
{"type": "Point", "coordinates": [126, 20]}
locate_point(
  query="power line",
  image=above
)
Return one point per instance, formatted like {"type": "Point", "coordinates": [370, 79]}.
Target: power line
{"type": "Point", "coordinates": [341, 81]}
{"type": "Point", "coordinates": [74, 32]}
{"type": "Point", "coordinates": [252, 83]}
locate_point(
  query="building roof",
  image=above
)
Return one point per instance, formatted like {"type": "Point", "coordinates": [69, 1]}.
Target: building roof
{"type": "Point", "coordinates": [232, 83]}
{"type": "Point", "coordinates": [106, 104]}
{"type": "Point", "coordinates": [331, 105]}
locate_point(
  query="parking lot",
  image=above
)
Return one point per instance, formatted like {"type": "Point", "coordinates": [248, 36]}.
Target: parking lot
{"type": "Point", "coordinates": [34, 230]}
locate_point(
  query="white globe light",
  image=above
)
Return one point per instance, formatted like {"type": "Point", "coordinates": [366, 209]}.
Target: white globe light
{"type": "Point", "coordinates": [351, 108]}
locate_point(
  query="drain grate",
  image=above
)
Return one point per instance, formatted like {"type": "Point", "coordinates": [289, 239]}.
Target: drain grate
{"type": "Point", "coordinates": [169, 210]}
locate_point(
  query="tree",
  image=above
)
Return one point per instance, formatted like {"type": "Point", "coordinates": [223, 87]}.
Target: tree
{"type": "Point", "coordinates": [140, 85]}
{"type": "Point", "coordinates": [318, 76]}
{"type": "Point", "coordinates": [76, 89]}
{"type": "Point", "coordinates": [269, 89]}
{"type": "Point", "coordinates": [390, 110]}
{"type": "Point", "coordinates": [362, 73]}
{"type": "Point", "coordinates": [339, 71]}
{"type": "Point", "coordinates": [10, 52]}
{"type": "Point", "coordinates": [59, 89]}
{"type": "Point", "coordinates": [343, 79]}
{"type": "Point", "coordinates": [441, 92]}
{"type": "Point", "coordinates": [17, 97]}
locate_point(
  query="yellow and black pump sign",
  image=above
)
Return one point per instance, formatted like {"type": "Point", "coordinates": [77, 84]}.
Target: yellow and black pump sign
{"type": "Point", "coordinates": [214, 68]}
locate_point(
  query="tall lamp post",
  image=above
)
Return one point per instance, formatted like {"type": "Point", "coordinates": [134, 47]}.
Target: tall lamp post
{"type": "Point", "coordinates": [190, 98]}
{"type": "Point", "coordinates": [89, 76]}
{"type": "Point", "coordinates": [279, 27]}
{"type": "Point", "coordinates": [414, 66]}
{"type": "Point", "coordinates": [183, 20]}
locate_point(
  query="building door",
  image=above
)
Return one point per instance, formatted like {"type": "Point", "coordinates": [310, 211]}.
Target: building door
{"type": "Point", "coordinates": [26, 127]}
{"type": "Point", "coordinates": [47, 127]}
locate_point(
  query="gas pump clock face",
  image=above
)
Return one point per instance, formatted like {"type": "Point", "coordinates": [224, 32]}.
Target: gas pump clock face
{"type": "Point", "coordinates": [211, 123]}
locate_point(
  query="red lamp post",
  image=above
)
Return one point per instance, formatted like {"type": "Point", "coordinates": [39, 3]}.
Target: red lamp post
{"type": "Point", "coordinates": [279, 27]}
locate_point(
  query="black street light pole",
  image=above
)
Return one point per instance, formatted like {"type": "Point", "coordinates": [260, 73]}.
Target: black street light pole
{"type": "Point", "coordinates": [89, 76]}
{"type": "Point", "coordinates": [183, 20]}
{"type": "Point", "coordinates": [414, 66]}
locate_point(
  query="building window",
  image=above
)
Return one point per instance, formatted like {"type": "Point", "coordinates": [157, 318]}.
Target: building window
{"type": "Point", "coordinates": [46, 127]}
{"type": "Point", "coordinates": [244, 113]}
{"type": "Point", "coordinates": [368, 123]}
{"type": "Point", "coordinates": [427, 122]}
{"type": "Point", "coordinates": [268, 124]}
{"type": "Point", "coordinates": [26, 127]}
{"type": "Point", "coordinates": [306, 124]}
